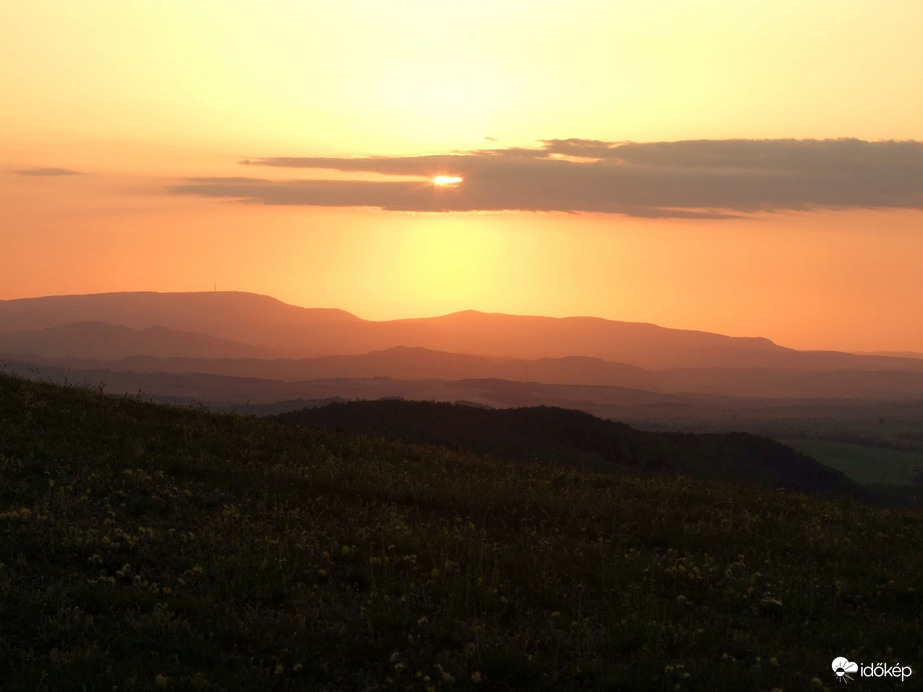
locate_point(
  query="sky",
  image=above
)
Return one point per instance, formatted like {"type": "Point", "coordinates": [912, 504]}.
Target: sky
{"type": "Point", "coordinates": [747, 168]}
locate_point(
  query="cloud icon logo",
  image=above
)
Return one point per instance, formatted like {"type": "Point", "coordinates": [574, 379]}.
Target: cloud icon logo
{"type": "Point", "coordinates": [842, 667]}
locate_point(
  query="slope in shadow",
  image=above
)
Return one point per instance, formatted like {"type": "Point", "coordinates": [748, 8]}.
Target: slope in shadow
{"type": "Point", "coordinates": [579, 439]}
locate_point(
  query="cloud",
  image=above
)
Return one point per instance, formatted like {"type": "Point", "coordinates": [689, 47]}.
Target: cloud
{"type": "Point", "coordinates": [47, 171]}
{"type": "Point", "coordinates": [687, 179]}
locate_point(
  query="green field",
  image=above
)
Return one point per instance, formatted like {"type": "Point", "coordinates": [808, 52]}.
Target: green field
{"type": "Point", "coordinates": [149, 547]}
{"type": "Point", "coordinates": [863, 463]}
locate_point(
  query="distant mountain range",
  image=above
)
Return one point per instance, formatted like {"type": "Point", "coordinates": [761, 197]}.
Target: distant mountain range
{"type": "Point", "coordinates": [229, 315]}
{"type": "Point", "coordinates": [411, 364]}
{"type": "Point", "coordinates": [242, 335]}
{"type": "Point", "coordinates": [100, 341]}
{"type": "Point", "coordinates": [893, 354]}
{"type": "Point", "coordinates": [271, 329]}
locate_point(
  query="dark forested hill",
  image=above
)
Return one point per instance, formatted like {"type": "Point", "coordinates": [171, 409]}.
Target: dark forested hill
{"type": "Point", "coordinates": [579, 439]}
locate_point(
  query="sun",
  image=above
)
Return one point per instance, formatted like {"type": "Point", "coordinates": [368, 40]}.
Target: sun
{"type": "Point", "coordinates": [446, 180]}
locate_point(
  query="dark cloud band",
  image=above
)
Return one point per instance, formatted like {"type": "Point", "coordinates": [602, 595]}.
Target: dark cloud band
{"type": "Point", "coordinates": [691, 179]}
{"type": "Point", "coordinates": [47, 172]}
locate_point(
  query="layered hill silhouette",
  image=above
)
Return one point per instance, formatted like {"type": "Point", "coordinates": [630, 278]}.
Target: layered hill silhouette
{"type": "Point", "coordinates": [578, 439]}
{"type": "Point", "coordinates": [276, 330]}
{"type": "Point", "coordinates": [100, 341]}
{"type": "Point", "coordinates": [413, 364]}
{"type": "Point", "coordinates": [264, 395]}
{"type": "Point", "coordinates": [252, 353]}
{"type": "Point", "coordinates": [228, 315]}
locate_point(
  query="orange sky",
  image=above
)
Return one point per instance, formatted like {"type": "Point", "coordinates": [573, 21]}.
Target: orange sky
{"type": "Point", "coordinates": [121, 109]}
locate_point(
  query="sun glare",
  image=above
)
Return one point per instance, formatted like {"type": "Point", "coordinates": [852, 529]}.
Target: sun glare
{"type": "Point", "coordinates": [446, 180]}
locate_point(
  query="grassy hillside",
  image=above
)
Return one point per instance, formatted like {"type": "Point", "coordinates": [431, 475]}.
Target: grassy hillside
{"type": "Point", "coordinates": [149, 547]}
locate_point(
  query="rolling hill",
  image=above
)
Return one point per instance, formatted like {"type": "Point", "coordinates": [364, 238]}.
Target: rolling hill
{"type": "Point", "coordinates": [579, 439]}
{"type": "Point", "coordinates": [403, 363]}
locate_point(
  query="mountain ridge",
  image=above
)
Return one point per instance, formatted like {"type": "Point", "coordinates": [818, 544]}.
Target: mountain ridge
{"type": "Point", "coordinates": [294, 332]}
{"type": "Point", "coordinates": [214, 313]}
{"type": "Point", "coordinates": [110, 342]}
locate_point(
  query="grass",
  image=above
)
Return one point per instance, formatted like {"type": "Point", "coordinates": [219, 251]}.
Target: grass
{"type": "Point", "coordinates": [153, 547]}
{"type": "Point", "coordinates": [863, 463]}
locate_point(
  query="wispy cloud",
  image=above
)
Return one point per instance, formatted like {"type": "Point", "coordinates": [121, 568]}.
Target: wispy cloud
{"type": "Point", "coordinates": [689, 179]}
{"type": "Point", "coordinates": [47, 172]}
